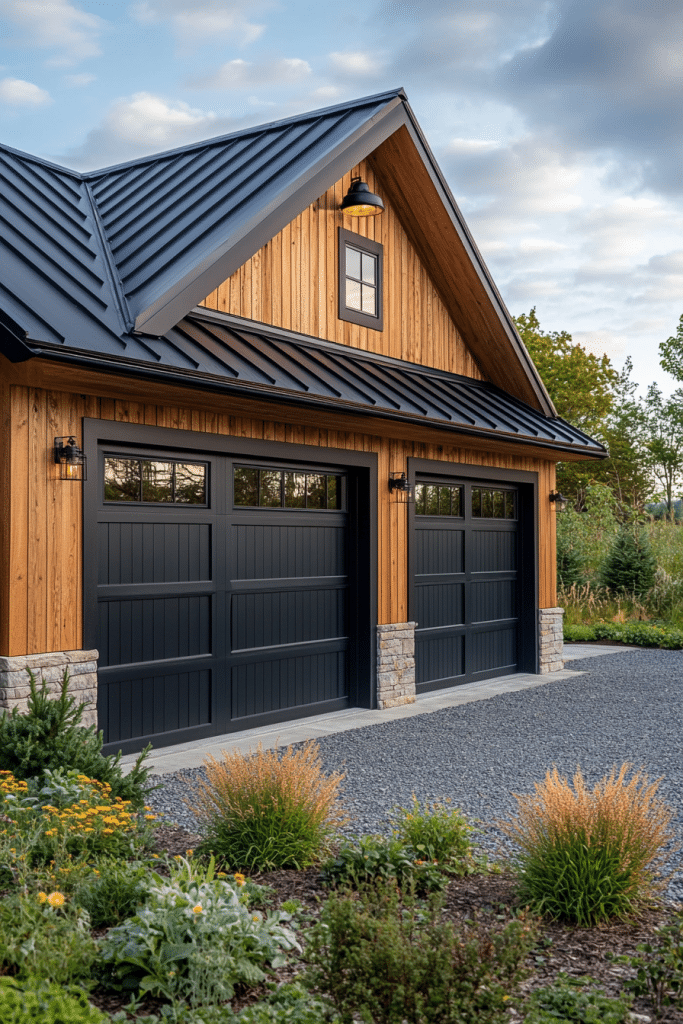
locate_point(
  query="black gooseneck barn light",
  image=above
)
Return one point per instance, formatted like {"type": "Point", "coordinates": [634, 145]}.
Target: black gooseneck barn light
{"type": "Point", "coordinates": [359, 201]}
{"type": "Point", "coordinates": [70, 459]}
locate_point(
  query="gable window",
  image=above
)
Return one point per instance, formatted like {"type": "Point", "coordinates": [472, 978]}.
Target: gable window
{"type": "Point", "coordinates": [360, 280]}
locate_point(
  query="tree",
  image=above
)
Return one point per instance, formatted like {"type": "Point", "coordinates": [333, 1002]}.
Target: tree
{"type": "Point", "coordinates": [663, 427]}
{"type": "Point", "coordinates": [579, 383]}
{"type": "Point", "coordinates": [630, 565]}
{"type": "Point", "coordinates": [671, 353]}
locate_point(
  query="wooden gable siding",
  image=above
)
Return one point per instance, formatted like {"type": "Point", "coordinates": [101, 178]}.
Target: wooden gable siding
{"type": "Point", "coordinates": [292, 283]}
{"type": "Point", "coordinates": [41, 567]}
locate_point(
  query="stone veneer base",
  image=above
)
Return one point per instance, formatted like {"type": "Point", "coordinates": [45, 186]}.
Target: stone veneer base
{"type": "Point", "coordinates": [82, 666]}
{"type": "Point", "coordinates": [395, 664]}
{"type": "Point", "coordinates": [550, 640]}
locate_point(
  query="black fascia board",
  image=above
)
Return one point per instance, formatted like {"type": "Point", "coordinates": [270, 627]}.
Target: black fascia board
{"type": "Point", "coordinates": [114, 365]}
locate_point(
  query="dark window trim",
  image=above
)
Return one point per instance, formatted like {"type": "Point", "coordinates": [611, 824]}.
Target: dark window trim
{"type": "Point", "coordinates": [353, 316]}
{"type": "Point", "coordinates": [527, 533]}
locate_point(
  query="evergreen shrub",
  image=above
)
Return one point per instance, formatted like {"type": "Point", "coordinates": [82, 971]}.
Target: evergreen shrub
{"type": "Point", "coordinates": [29, 1003]}
{"type": "Point", "coordinates": [630, 564]}
{"type": "Point", "coordinates": [50, 736]}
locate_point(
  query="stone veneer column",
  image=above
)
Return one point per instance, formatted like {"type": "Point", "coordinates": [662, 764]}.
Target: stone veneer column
{"type": "Point", "coordinates": [550, 642]}
{"type": "Point", "coordinates": [395, 664]}
{"type": "Point", "coordinates": [82, 665]}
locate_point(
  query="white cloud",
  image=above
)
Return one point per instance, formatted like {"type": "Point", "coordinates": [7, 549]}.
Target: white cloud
{"type": "Point", "coordinates": [469, 147]}
{"type": "Point", "coordinates": [356, 64]}
{"type": "Point", "coordinates": [153, 121]}
{"type": "Point", "coordinates": [17, 93]}
{"type": "Point", "coordinates": [56, 25]}
{"type": "Point", "coordinates": [79, 81]}
{"type": "Point", "coordinates": [204, 20]}
{"type": "Point", "coordinates": [236, 73]}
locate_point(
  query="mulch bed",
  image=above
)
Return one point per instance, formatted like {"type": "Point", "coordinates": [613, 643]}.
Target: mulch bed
{"type": "Point", "coordinates": [578, 952]}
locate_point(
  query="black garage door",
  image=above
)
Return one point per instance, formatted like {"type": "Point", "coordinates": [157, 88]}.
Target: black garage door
{"type": "Point", "coordinates": [465, 583]}
{"type": "Point", "coordinates": [222, 594]}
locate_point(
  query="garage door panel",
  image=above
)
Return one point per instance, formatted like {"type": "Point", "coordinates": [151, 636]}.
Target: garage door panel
{"type": "Point", "coordinates": [494, 650]}
{"type": "Point", "coordinates": [440, 604]}
{"type": "Point", "coordinates": [153, 628]}
{"type": "Point", "coordinates": [439, 658]}
{"type": "Point", "coordinates": [492, 599]}
{"type": "Point", "coordinates": [144, 552]}
{"type": "Point", "coordinates": [440, 551]}
{"type": "Point", "coordinates": [265, 551]}
{"type": "Point", "coordinates": [149, 704]}
{"type": "Point", "coordinates": [493, 551]}
{"type": "Point", "coordinates": [267, 619]}
{"type": "Point", "coordinates": [281, 683]}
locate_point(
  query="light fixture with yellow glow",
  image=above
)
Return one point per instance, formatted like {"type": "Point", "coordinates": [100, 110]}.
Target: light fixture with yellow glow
{"type": "Point", "coordinates": [70, 459]}
{"type": "Point", "coordinates": [359, 201]}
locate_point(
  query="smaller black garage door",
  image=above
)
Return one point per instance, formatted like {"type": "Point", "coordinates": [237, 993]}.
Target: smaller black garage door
{"type": "Point", "coordinates": [465, 584]}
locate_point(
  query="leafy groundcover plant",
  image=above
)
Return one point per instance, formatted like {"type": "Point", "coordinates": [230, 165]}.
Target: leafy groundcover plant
{"type": "Point", "coordinates": [374, 860]}
{"type": "Point", "coordinates": [194, 943]}
{"type": "Point", "coordinates": [589, 856]}
{"type": "Point", "coordinates": [42, 1003]}
{"type": "Point", "coordinates": [268, 809]}
{"type": "Point", "coordinates": [569, 1000]}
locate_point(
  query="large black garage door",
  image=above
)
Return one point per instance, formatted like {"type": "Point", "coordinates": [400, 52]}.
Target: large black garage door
{"type": "Point", "coordinates": [465, 582]}
{"type": "Point", "coordinates": [222, 594]}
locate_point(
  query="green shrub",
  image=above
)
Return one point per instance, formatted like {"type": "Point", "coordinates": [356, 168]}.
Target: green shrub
{"type": "Point", "coordinates": [630, 565]}
{"type": "Point", "coordinates": [194, 945]}
{"type": "Point", "coordinates": [585, 856]}
{"type": "Point", "coordinates": [571, 565]}
{"type": "Point", "coordinates": [390, 960]}
{"type": "Point", "coordinates": [112, 895]}
{"type": "Point", "coordinates": [267, 810]}
{"type": "Point", "coordinates": [437, 832]}
{"type": "Point", "coordinates": [48, 1004]}
{"type": "Point", "coordinates": [659, 967]}
{"type": "Point", "coordinates": [566, 1002]}
{"type": "Point", "coordinates": [579, 634]}
{"type": "Point", "coordinates": [50, 736]}
{"type": "Point", "coordinates": [638, 634]}
{"type": "Point", "coordinates": [291, 1003]}
{"type": "Point", "coordinates": [372, 860]}
{"type": "Point", "coordinates": [44, 935]}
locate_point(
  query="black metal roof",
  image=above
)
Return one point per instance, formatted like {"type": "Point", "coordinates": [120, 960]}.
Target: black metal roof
{"type": "Point", "coordinates": [89, 263]}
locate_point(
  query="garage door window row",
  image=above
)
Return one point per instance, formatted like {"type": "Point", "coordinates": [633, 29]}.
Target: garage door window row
{"type": "Point", "coordinates": [155, 481]}
{"type": "Point", "coordinates": [277, 488]}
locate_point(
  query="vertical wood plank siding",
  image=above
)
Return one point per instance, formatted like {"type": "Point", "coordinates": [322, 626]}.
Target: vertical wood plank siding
{"type": "Point", "coordinates": [292, 283]}
{"type": "Point", "coordinates": [42, 559]}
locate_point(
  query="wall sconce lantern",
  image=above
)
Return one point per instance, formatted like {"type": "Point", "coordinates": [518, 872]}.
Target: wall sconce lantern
{"type": "Point", "coordinates": [71, 460]}
{"type": "Point", "coordinates": [400, 482]}
{"type": "Point", "coordinates": [559, 501]}
{"type": "Point", "coordinates": [359, 201]}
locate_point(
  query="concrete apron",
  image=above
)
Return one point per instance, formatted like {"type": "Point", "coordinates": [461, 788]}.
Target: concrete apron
{"type": "Point", "coordinates": [192, 755]}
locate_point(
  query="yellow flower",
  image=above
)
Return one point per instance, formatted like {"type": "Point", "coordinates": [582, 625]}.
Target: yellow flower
{"type": "Point", "coordinates": [188, 853]}
{"type": "Point", "coordinates": [256, 917]}
{"type": "Point", "coordinates": [56, 899]}
{"type": "Point", "coordinates": [42, 897]}
{"type": "Point", "coordinates": [150, 817]}
{"type": "Point", "coordinates": [221, 874]}
{"type": "Point", "coordinates": [177, 857]}
{"type": "Point", "coordinates": [197, 909]}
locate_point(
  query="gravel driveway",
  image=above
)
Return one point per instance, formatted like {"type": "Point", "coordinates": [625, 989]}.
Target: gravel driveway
{"type": "Point", "coordinates": [626, 707]}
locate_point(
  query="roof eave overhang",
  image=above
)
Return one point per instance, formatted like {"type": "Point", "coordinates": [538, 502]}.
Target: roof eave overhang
{"type": "Point", "coordinates": [219, 385]}
{"type": "Point", "coordinates": [14, 342]}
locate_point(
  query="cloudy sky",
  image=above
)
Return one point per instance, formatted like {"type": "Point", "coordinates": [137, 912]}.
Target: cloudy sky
{"type": "Point", "coordinates": [558, 123]}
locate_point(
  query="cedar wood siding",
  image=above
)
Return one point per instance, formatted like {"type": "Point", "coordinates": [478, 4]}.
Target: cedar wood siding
{"type": "Point", "coordinates": [292, 283]}
{"type": "Point", "coordinates": [41, 541]}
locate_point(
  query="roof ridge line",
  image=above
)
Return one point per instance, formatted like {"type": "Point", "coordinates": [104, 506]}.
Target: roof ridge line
{"type": "Point", "coordinates": [269, 125]}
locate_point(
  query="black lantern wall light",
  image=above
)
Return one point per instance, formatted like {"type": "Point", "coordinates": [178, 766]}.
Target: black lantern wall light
{"type": "Point", "coordinates": [559, 501]}
{"type": "Point", "coordinates": [70, 458]}
{"type": "Point", "coordinates": [359, 201]}
{"type": "Point", "coordinates": [400, 483]}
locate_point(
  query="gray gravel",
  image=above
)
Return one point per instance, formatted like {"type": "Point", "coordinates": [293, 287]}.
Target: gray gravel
{"type": "Point", "coordinates": [627, 707]}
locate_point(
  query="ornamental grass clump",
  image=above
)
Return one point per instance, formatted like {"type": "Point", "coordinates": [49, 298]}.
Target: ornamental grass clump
{"type": "Point", "coordinates": [268, 809]}
{"type": "Point", "coordinates": [588, 856]}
